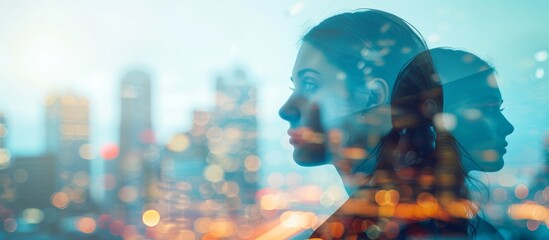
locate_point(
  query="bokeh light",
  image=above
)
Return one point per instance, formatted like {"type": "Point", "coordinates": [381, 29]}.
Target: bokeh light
{"type": "Point", "coordinates": [60, 200]}
{"type": "Point", "coordinates": [86, 225]}
{"type": "Point", "coordinates": [151, 218]}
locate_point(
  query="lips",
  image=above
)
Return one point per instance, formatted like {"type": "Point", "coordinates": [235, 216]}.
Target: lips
{"type": "Point", "coordinates": [296, 136]}
{"type": "Point", "coordinates": [502, 147]}
{"type": "Point", "coordinates": [303, 135]}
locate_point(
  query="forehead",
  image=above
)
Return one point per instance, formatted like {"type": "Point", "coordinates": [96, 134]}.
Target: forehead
{"type": "Point", "coordinates": [310, 57]}
{"type": "Point", "coordinates": [475, 90]}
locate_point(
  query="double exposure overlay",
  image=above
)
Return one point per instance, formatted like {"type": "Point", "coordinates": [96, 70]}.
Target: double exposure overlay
{"type": "Point", "coordinates": [173, 120]}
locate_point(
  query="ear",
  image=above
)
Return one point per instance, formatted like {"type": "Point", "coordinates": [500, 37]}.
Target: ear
{"type": "Point", "coordinates": [429, 108]}
{"type": "Point", "coordinates": [379, 91]}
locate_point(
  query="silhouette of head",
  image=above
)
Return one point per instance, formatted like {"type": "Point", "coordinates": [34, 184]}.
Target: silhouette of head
{"type": "Point", "coordinates": [439, 94]}
{"type": "Point", "coordinates": [346, 64]}
{"type": "Point", "coordinates": [447, 105]}
{"type": "Point", "coordinates": [472, 108]}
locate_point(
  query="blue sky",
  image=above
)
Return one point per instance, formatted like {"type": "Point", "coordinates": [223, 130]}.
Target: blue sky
{"type": "Point", "coordinates": [53, 46]}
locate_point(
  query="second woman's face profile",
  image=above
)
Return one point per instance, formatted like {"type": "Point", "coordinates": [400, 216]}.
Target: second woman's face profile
{"type": "Point", "coordinates": [479, 126]}
{"type": "Point", "coordinates": [319, 96]}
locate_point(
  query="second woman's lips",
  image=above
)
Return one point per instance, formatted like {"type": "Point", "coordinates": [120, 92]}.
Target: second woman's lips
{"type": "Point", "coordinates": [502, 148]}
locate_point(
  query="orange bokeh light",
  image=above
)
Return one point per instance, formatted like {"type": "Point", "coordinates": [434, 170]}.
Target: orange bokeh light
{"type": "Point", "coordinates": [86, 225]}
{"type": "Point", "coordinates": [60, 200]}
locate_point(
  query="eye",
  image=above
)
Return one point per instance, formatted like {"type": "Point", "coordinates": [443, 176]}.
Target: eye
{"type": "Point", "coordinates": [309, 85]}
{"type": "Point", "coordinates": [492, 109]}
{"type": "Point", "coordinates": [292, 88]}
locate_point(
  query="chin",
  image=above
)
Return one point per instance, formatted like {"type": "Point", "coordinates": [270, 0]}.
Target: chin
{"type": "Point", "coordinates": [480, 162]}
{"type": "Point", "coordinates": [310, 155]}
{"type": "Point", "coordinates": [492, 166]}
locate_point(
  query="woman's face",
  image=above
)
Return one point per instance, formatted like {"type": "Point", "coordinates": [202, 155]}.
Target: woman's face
{"type": "Point", "coordinates": [319, 97]}
{"type": "Point", "coordinates": [480, 126]}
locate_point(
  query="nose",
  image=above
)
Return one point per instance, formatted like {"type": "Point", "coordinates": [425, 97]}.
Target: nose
{"type": "Point", "coordinates": [506, 127]}
{"type": "Point", "coordinates": [290, 110]}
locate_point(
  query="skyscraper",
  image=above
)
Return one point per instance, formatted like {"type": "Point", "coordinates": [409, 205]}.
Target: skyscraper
{"type": "Point", "coordinates": [67, 139]}
{"type": "Point", "coordinates": [137, 165]}
{"type": "Point", "coordinates": [183, 183]}
{"type": "Point", "coordinates": [232, 140]}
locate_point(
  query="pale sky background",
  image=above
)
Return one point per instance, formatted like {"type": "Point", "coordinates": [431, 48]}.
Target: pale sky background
{"type": "Point", "coordinates": [84, 47]}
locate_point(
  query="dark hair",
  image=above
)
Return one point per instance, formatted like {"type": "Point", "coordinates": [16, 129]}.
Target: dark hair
{"type": "Point", "coordinates": [415, 141]}
{"type": "Point", "coordinates": [367, 44]}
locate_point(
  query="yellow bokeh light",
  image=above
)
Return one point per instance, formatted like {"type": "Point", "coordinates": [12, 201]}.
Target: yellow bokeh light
{"type": "Point", "coordinates": [33, 215]}
{"type": "Point", "coordinates": [291, 219]}
{"type": "Point", "coordinates": [273, 201]}
{"type": "Point", "coordinates": [178, 143]}
{"type": "Point", "coordinates": [214, 173]}
{"type": "Point", "coordinates": [252, 163]}
{"type": "Point", "coordinates": [230, 189]}
{"type": "Point", "coordinates": [5, 157]}
{"type": "Point", "coordinates": [151, 218]}
{"type": "Point", "coordinates": [222, 229]}
{"type": "Point", "coordinates": [87, 151]}
{"type": "Point", "coordinates": [3, 130]}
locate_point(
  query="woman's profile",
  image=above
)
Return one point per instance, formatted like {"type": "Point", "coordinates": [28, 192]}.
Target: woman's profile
{"type": "Point", "coordinates": [446, 121]}
{"type": "Point", "coordinates": [343, 77]}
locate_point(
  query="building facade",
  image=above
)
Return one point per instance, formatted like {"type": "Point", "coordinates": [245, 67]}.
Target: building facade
{"type": "Point", "coordinates": [67, 140]}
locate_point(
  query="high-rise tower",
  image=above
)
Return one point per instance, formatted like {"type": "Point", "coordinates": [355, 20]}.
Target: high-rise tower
{"type": "Point", "coordinates": [136, 166]}
{"type": "Point", "coordinates": [67, 139]}
{"type": "Point", "coordinates": [232, 140]}
{"type": "Point", "coordinates": [209, 175]}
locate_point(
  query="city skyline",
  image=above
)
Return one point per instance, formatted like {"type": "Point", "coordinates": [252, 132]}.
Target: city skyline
{"type": "Point", "coordinates": [134, 171]}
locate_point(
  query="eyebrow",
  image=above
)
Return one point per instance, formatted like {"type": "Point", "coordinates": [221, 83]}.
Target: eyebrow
{"type": "Point", "coordinates": [490, 101]}
{"type": "Point", "coordinates": [493, 100]}
{"type": "Point", "coordinates": [306, 70]}
{"type": "Point", "coordinates": [303, 71]}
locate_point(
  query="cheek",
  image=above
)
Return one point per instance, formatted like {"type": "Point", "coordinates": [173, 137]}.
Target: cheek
{"type": "Point", "coordinates": [332, 106]}
{"type": "Point", "coordinates": [475, 134]}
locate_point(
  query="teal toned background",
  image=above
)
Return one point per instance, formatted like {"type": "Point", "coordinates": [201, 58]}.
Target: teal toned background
{"type": "Point", "coordinates": [85, 47]}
